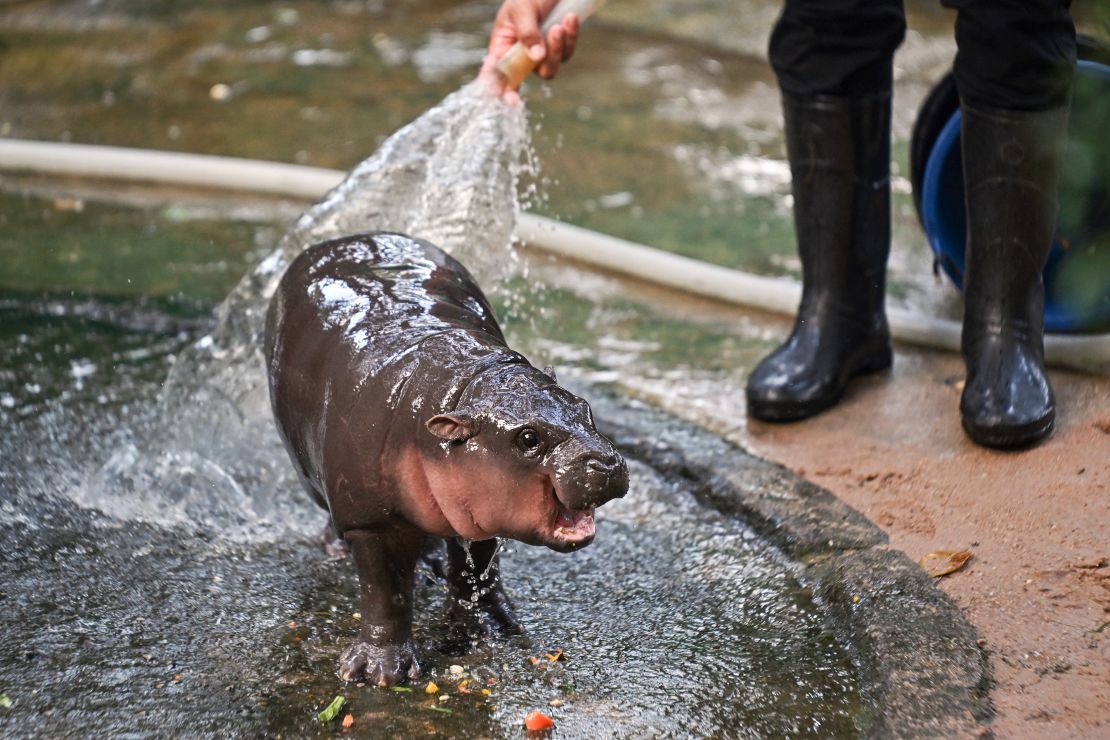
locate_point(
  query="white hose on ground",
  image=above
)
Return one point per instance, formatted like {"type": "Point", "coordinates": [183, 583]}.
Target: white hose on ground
{"type": "Point", "coordinates": [1088, 351]}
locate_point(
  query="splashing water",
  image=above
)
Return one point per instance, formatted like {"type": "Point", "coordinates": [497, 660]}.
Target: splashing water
{"type": "Point", "coordinates": [450, 177]}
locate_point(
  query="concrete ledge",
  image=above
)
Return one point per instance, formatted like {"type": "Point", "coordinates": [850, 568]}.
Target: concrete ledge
{"type": "Point", "coordinates": [922, 673]}
{"type": "Point", "coordinates": [920, 667]}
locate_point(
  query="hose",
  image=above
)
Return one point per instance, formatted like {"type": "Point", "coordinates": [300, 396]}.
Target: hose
{"type": "Point", "coordinates": [776, 295]}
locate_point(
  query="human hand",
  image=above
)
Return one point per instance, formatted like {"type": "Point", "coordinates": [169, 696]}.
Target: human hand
{"type": "Point", "coordinates": [519, 20]}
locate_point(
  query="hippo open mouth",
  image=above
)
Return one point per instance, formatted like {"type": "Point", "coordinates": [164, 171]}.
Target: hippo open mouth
{"type": "Point", "coordinates": [574, 524]}
{"type": "Point", "coordinates": [571, 528]}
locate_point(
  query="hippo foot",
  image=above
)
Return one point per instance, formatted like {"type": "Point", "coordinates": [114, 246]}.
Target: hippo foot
{"type": "Point", "coordinates": [381, 665]}
{"type": "Point", "coordinates": [491, 615]}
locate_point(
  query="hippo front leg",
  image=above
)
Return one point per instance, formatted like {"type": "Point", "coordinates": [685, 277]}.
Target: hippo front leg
{"type": "Point", "coordinates": [384, 653]}
{"type": "Point", "coordinates": [476, 600]}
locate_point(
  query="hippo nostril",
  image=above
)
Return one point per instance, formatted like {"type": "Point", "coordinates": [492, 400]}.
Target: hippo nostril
{"type": "Point", "coordinates": [596, 466]}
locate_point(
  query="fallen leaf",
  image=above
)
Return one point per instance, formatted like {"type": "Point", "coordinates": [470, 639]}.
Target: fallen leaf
{"type": "Point", "coordinates": [332, 710]}
{"type": "Point", "coordinates": [942, 562]}
{"type": "Point", "coordinates": [537, 721]}
{"type": "Point", "coordinates": [556, 656]}
{"type": "Point", "coordinates": [431, 688]}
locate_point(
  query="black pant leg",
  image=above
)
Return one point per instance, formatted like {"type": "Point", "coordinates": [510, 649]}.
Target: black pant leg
{"type": "Point", "coordinates": [837, 47]}
{"type": "Point", "coordinates": [1014, 54]}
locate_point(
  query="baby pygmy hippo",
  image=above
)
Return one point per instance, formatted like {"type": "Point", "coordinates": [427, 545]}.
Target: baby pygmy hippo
{"type": "Point", "coordinates": [406, 415]}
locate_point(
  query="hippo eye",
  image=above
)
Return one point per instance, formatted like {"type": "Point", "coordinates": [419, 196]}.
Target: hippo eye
{"type": "Point", "coordinates": [528, 440]}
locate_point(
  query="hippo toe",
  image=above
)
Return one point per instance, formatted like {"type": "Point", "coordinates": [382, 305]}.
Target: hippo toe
{"type": "Point", "coordinates": [381, 665]}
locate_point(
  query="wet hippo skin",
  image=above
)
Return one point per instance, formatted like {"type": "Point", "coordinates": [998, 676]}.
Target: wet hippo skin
{"type": "Point", "coordinates": [406, 415]}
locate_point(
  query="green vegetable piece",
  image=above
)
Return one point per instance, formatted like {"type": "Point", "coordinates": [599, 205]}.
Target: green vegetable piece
{"type": "Point", "coordinates": [5, 701]}
{"type": "Point", "coordinates": [332, 710]}
{"type": "Point", "coordinates": [442, 710]}
{"type": "Point", "coordinates": [402, 689]}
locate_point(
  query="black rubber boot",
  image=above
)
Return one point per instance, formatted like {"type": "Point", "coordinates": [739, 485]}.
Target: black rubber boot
{"type": "Point", "coordinates": [839, 150]}
{"type": "Point", "coordinates": [1011, 171]}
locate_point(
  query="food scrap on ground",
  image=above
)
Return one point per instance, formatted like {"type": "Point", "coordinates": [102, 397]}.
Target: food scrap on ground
{"type": "Point", "coordinates": [556, 656]}
{"type": "Point", "coordinates": [942, 562]}
{"type": "Point", "coordinates": [537, 721]}
{"type": "Point", "coordinates": [348, 720]}
{"type": "Point", "coordinates": [332, 710]}
{"type": "Point", "coordinates": [401, 689]}
{"type": "Point", "coordinates": [431, 688]}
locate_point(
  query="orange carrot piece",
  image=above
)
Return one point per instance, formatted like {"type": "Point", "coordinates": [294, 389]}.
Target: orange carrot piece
{"type": "Point", "coordinates": [537, 721]}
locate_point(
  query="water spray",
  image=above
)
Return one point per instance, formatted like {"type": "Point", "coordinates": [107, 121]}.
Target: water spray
{"type": "Point", "coordinates": [516, 64]}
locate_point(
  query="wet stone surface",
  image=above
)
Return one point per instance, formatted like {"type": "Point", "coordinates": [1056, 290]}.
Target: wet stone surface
{"type": "Point", "coordinates": [800, 518]}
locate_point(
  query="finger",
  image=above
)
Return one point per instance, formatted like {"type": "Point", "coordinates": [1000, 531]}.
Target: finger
{"type": "Point", "coordinates": [550, 66]}
{"type": "Point", "coordinates": [570, 35]}
{"type": "Point", "coordinates": [527, 25]}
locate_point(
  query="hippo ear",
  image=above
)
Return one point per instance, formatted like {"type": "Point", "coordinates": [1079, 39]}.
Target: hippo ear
{"type": "Point", "coordinates": [456, 427]}
{"type": "Point", "coordinates": [549, 371]}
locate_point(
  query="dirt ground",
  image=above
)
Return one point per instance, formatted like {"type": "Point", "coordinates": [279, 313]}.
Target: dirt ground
{"type": "Point", "coordinates": [1037, 522]}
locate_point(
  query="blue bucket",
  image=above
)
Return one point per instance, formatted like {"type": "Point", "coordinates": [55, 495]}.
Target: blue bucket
{"type": "Point", "coordinates": [1077, 274]}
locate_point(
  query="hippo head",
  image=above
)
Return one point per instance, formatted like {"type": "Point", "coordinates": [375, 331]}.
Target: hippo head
{"type": "Point", "coordinates": [528, 462]}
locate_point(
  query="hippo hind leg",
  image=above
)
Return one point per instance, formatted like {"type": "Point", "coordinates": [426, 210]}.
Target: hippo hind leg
{"type": "Point", "coordinates": [476, 601]}
{"type": "Point", "coordinates": [384, 653]}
